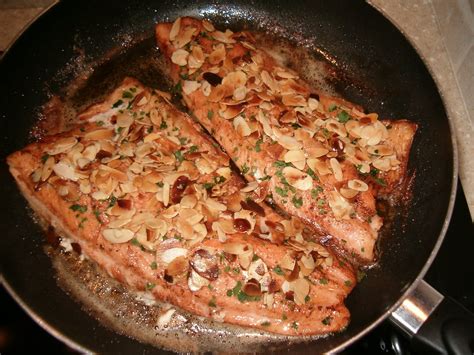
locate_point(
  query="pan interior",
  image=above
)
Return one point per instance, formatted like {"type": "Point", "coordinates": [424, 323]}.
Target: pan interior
{"type": "Point", "coordinates": [375, 66]}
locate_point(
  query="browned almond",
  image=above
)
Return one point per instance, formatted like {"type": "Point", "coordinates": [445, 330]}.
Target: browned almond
{"type": "Point", "coordinates": [178, 188]}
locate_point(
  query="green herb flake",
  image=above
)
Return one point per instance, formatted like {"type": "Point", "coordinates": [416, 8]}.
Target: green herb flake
{"type": "Point", "coordinates": [284, 316]}
{"type": "Point", "coordinates": [265, 324]}
{"type": "Point", "coordinates": [160, 184]}
{"type": "Point", "coordinates": [297, 202]}
{"type": "Point", "coordinates": [380, 182]}
{"type": "Point", "coordinates": [44, 158]}
{"type": "Point", "coordinates": [348, 283]}
{"type": "Point", "coordinates": [277, 270]}
{"type": "Point", "coordinates": [323, 281]}
{"type": "Point", "coordinates": [281, 164]}
{"type": "Point", "coordinates": [99, 123]}
{"type": "Point", "coordinates": [255, 257]}
{"type": "Point", "coordinates": [219, 179]}
{"type": "Point", "coordinates": [78, 208]}
{"type": "Point", "coordinates": [210, 114]}
{"type": "Point", "coordinates": [179, 156]}
{"type": "Point", "coordinates": [327, 320]}
{"type": "Point", "coordinates": [153, 265]}
{"type": "Point", "coordinates": [112, 201]}
{"type": "Point", "coordinates": [227, 268]}
{"type": "Point", "coordinates": [193, 149]}
{"type": "Point", "coordinates": [229, 293]}
{"type": "Point", "coordinates": [150, 286]}
{"type": "Point", "coordinates": [182, 140]}
{"type": "Point", "coordinates": [307, 299]}
{"type": "Point", "coordinates": [212, 302]}
{"type": "Point", "coordinates": [245, 169]}
{"type": "Point", "coordinates": [281, 192]}
{"type": "Point", "coordinates": [332, 107]}
{"type": "Point", "coordinates": [163, 125]}
{"type": "Point", "coordinates": [127, 95]}
{"type": "Point", "coordinates": [343, 117]}
{"type": "Point", "coordinates": [208, 185]}
{"type": "Point", "coordinates": [117, 103]}
{"type": "Point", "coordinates": [135, 242]}
{"type": "Point", "coordinates": [258, 144]}
{"type": "Point", "coordinates": [97, 216]}
{"type": "Point", "coordinates": [360, 275]}
{"type": "Point", "coordinates": [294, 325]}
{"type": "Point", "coordinates": [311, 173]}
{"type": "Point", "coordinates": [81, 223]}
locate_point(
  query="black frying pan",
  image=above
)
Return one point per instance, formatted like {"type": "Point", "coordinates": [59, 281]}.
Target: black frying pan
{"type": "Point", "coordinates": [379, 69]}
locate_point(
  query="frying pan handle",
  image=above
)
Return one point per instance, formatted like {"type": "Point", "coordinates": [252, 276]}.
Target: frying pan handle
{"type": "Point", "coordinates": [435, 323]}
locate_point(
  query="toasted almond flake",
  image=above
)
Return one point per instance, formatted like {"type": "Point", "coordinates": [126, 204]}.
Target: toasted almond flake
{"type": "Point", "coordinates": [269, 81]}
{"type": "Point", "coordinates": [208, 26]}
{"type": "Point", "coordinates": [382, 150]}
{"type": "Point", "coordinates": [175, 29]}
{"type": "Point", "coordinates": [348, 193]}
{"type": "Point", "coordinates": [334, 126]}
{"type": "Point", "coordinates": [293, 100]}
{"type": "Point", "coordinates": [297, 178]}
{"type": "Point", "coordinates": [47, 169]}
{"type": "Point", "coordinates": [357, 185]}
{"type": "Point", "coordinates": [62, 145]}
{"type": "Point", "coordinates": [119, 235]}
{"type": "Point", "coordinates": [170, 254]}
{"type": "Point", "coordinates": [190, 216]}
{"type": "Point", "coordinates": [224, 37]}
{"type": "Point", "coordinates": [294, 155]}
{"type": "Point", "coordinates": [221, 235]}
{"type": "Point", "coordinates": [206, 88]}
{"type": "Point", "coordinates": [234, 248]}
{"type": "Point", "coordinates": [196, 282]}
{"type": "Point", "coordinates": [300, 288]}
{"type": "Point", "coordinates": [308, 262]}
{"type": "Point", "coordinates": [235, 79]}
{"type": "Point", "coordinates": [246, 258]}
{"type": "Point", "coordinates": [184, 37]}
{"type": "Point", "coordinates": [180, 57]}
{"type": "Point", "coordinates": [233, 111]}
{"type": "Point", "coordinates": [241, 126]}
{"type": "Point", "coordinates": [65, 170]}
{"type": "Point", "coordinates": [336, 168]}
{"type": "Point", "coordinates": [99, 195]}
{"type": "Point", "coordinates": [251, 186]}
{"type": "Point", "coordinates": [313, 104]}
{"type": "Point", "coordinates": [188, 201]}
{"type": "Point", "coordinates": [215, 205]}
{"type": "Point", "coordinates": [339, 205]}
{"type": "Point", "coordinates": [382, 164]}
{"type": "Point", "coordinates": [190, 86]}
{"type": "Point", "coordinates": [118, 223]}
{"type": "Point", "coordinates": [217, 55]}
{"type": "Point", "coordinates": [166, 194]}
{"type": "Point", "coordinates": [287, 262]}
{"type": "Point", "coordinates": [286, 141]}
{"type": "Point", "coordinates": [99, 134]}
{"type": "Point", "coordinates": [124, 120]}
{"type": "Point", "coordinates": [240, 93]}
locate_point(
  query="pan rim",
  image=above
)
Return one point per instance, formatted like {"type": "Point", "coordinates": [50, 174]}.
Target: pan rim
{"type": "Point", "coordinates": [454, 181]}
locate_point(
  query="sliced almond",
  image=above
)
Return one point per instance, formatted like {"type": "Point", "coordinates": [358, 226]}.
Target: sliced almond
{"type": "Point", "coordinates": [180, 57]}
{"type": "Point", "coordinates": [251, 186]}
{"type": "Point", "coordinates": [119, 235]}
{"type": "Point", "coordinates": [224, 37]}
{"type": "Point", "coordinates": [170, 254]}
{"type": "Point", "coordinates": [208, 26]}
{"type": "Point", "coordinates": [339, 205]}
{"type": "Point", "coordinates": [190, 86]}
{"type": "Point", "coordinates": [241, 126]}
{"type": "Point", "coordinates": [65, 170]}
{"type": "Point", "coordinates": [62, 145]}
{"type": "Point", "coordinates": [297, 178]}
{"type": "Point", "coordinates": [166, 194]}
{"type": "Point", "coordinates": [175, 29]}
{"type": "Point", "coordinates": [336, 169]}
{"type": "Point", "coordinates": [357, 185]}
{"type": "Point", "coordinates": [301, 288]}
{"type": "Point", "coordinates": [348, 193]}
{"type": "Point", "coordinates": [99, 134]}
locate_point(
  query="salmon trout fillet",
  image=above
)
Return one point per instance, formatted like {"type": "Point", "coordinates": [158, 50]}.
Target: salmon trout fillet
{"type": "Point", "coordinates": [152, 200]}
{"type": "Point", "coordinates": [315, 156]}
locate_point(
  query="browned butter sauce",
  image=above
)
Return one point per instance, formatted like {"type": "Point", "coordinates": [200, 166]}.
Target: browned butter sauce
{"type": "Point", "coordinates": [105, 298]}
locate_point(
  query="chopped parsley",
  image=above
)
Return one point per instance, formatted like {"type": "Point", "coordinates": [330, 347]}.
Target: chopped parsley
{"type": "Point", "coordinates": [284, 316]}
{"type": "Point", "coordinates": [265, 324]}
{"type": "Point", "coordinates": [277, 270]}
{"type": "Point", "coordinates": [241, 295]}
{"type": "Point", "coordinates": [219, 179]}
{"type": "Point", "coordinates": [298, 202]}
{"type": "Point", "coordinates": [210, 114]}
{"type": "Point", "coordinates": [212, 302]}
{"type": "Point", "coordinates": [112, 201]}
{"type": "Point", "coordinates": [179, 156]}
{"type": "Point", "coordinates": [160, 184]}
{"type": "Point", "coordinates": [332, 107]}
{"type": "Point", "coordinates": [258, 144]}
{"type": "Point", "coordinates": [153, 265]}
{"type": "Point", "coordinates": [127, 95]}
{"type": "Point", "coordinates": [294, 325]}
{"type": "Point", "coordinates": [281, 164]}
{"type": "Point", "coordinates": [97, 216]}
{"type": "Point", "coordinates": [150, 286]}
{"type": "Point", "coordinates": [182, 140]}
{"type": "Point", "coordinates": [193, 149]}
{"type": "Point", "coordinates": [208, 185]}
{"type": "Point", "coordinates": [311, 173]}
{"type": "Point", "coordinates": [327, 320]}
{"type": "Point", "coordinates": [78, 208]}
{"type": "Point", "coordinates": [245, 169]}
{"type": "Point", "coordinates": [44, 158]}
{"type": "Point", "coordinates": [343, 117]}
{"type": "Point", "coordinates": [348, 283]}
{"type": "Point", "coordinates": [281, 191]}
{"type": "Point", "coordinates": [323, 281]}
{"type": "Point", "coordinates": [163, 125]}
{"type": "Point", "coordinates": [135, 242]}
{"type": "Point", "coordinates": [360, 275]}
{"type": "Point", "coordinates": [117, 103]}
{"type": "Point", "coordinates": [316, 191]}
{"type": "Point", "coordinates": [227, 268]}
{"type": "Point", "coordinates": [307, 299]}
{"type": "Point", "coordinates": [99, 123]}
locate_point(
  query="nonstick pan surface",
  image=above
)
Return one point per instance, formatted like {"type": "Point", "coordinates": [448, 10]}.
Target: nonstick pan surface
{"type": "Point", "coordinates": [377, 67]}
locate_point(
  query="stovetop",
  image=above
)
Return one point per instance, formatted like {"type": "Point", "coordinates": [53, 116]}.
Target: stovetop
{"type": "Point", "coordinates": [448, 274]}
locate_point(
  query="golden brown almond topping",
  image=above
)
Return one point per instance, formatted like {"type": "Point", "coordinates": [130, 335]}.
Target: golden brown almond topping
{"type": "Point", "coordinates": [252, 288]}
{"type": "Point", "coordinates": [251, 205]}
{"type": "Point", "coordinates": [241, 225]}
{"type": "Point", "coordinates": [178, 188]}
{"type": "Point", "coordinates": [205, 264]}
{"type": "Point", "coordinates": [126, 204]}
